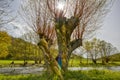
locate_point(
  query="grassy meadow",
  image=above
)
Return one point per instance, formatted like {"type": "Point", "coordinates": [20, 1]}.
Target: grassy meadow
{"type": "Point", "coordinates": [70, 75]}
{"type": "Point", "coordinates": [6, 63]}
{"type": "Point", "coordinates": [72, 63]}
{"type": "Point", "coordinates": [84, 63]}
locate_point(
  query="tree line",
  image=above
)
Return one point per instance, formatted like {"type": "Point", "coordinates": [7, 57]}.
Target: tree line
{"type": "Point", "coordinates": [18, 49]}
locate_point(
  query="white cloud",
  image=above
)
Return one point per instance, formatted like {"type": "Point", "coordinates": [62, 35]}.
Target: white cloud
{"type": "Point", "coordinates": [16, 29]}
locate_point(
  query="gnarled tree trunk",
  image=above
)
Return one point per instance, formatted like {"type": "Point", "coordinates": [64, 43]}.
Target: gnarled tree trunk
{"type": "Point", "coordinates": [52, 63]}
{"type": "Point", "coordinates": [64, 28]}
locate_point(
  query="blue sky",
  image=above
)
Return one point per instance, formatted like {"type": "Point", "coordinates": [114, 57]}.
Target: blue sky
{"type": "Point", "coordinates": [110, 31]}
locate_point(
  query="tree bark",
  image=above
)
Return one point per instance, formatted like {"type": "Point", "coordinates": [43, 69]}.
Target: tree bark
{"type": "Point", "coordinates": [107, 59]}
{"type": "Point", "coordinates": [94, 61]}
{"type": "Point", "coordinates": [52, 63]}
{"type": "Point", "coordinates": [64, 28]}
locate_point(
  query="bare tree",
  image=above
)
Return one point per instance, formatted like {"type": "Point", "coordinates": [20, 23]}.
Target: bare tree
{"type": "Point", "coordinates": [77, 19]}
{"type": "Point", "coordinates": [37, 16]}
{"type": "Point", "coordinates": [87, 46]}
{"type": "Point", "coordinates": [68, 21]}
{"type": "Point", "coordinates": [93, 49]}
{"type": "Point", "coordinates": [106, 49]}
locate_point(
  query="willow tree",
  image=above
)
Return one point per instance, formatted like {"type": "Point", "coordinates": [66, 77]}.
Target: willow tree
{"type": "Point", "coordinates": [106, 49]}
{"type": "Point", "coordinates": [93, 49]}
{"type": "Point", "coordinates": [68, 22]}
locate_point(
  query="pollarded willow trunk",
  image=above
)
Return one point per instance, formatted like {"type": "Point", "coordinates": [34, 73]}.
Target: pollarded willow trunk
{"type": "Point", "coordinates": [52, 63]}
{"type": "Point", "coordinates": [64, 28]}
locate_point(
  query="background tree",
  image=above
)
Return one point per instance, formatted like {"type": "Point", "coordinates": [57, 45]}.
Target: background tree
{"type": "Point", "coordinates": [92, 48]}
{"type": "Point", "coordinates": [99, 49]}
{"type": "Point", "coordinates": [5, 42]}
{"type": "Point", "coordinates": [106, 49]}
{"type": "Point", "coordinates": [23, 50]}
{"type": "Point", "coordinates": [33, 38]}
{"type": "Point", "coordinates": [17, 48]}
{"type": "Point", "coordinates": [87, 46]}
{"type": "Point", "coordinates": [70, 23]}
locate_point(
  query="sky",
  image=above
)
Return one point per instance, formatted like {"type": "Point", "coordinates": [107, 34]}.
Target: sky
{"type": "Point", "coordinates": [110, 31]}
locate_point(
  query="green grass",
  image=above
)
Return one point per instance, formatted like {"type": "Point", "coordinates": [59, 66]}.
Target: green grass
{"type": "Point", "coordinates": [70, 75]}
{"type": "Point", "coordinates": [76, 63]}
{"type": "Point", "coordinates": [5, 63]}
{"type": "Point", "coordinates": [15, 61]}
{"type": "Point", "coordinates": [96, 75]}
{"type": "Point", "coordinates": [20, 77]}
{"type": "Point", "coordinates": [72, 63]}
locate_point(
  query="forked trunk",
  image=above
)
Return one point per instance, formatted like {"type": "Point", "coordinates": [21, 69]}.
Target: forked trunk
{"type": "Point", "coordinates": [64, 28]}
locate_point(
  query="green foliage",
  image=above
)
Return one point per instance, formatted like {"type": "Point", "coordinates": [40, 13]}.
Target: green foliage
{"type": "Point", "coordinates": [5, 41]}
{"type": "Point", "coordinates": [21, 49]}
{"type": "Point", "coordinates": [115, 57]}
